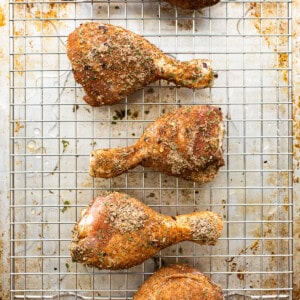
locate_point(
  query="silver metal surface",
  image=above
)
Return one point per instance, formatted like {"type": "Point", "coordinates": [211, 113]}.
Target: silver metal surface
{"type": "Point", "coordinates": [296, 156]}
{"type": "Point", "coordinates": [53, 132]}
{"type": "Point", "coordinates": [4, 150]}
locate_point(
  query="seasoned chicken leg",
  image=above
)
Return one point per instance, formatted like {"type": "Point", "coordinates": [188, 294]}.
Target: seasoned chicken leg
{"type": "Point", "coordinates": [118, 232]}
{"type": "Point", "coordinates": [193, 4]}
{"type": "Point", "coordinates": [186, 143]}
{"type": "Point", "coordinates": [111, 62]}
{"type": "Point", "coordinates": [179, 282]}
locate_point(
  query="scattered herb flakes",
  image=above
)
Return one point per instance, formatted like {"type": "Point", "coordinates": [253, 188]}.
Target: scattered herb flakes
{"type": "Point", "coordinates": [55, 169]}
{"type": "Point", "coordinates": [117, 7]}
{"type": "Point", "coordinates": [150, 90]}
{"type": "Point", "coordinates": [135, 114]}
{"type": "Point", "coordinates": [129, 238]}
{"type": "Point", "coordinates": [66, 205]}
{"type": "Point", "coordinates": [180, 250]}
{"type": "Point", "coordinates": [114, 123]}
{"type": "Point", "coordinates": [224, 203]}
{"type": "Point", "coordinates": [151, 195]}
{"type": "Point", "coordinates": [93, 143]}
{"type": "Point", "coordinates": [156, 262]}
{"type": "Point", "coordinates": [65, 144]}
{"type": "Point", "coordinates": [67, 267]}
{"type": "Point", "coordinates": [125, 217]}
{"type": "Point", "coordinates": [146, 112]}
{"type": "Point", "coordinates": [123, 112]}
{"type": "Point", "coordinates": [87, 109]}
{"type": "Point", "coordinates": [120, 114]}
{"type": "Point", "coordinates": [75, 107]}
{"type": "Point", "coordinates": [100, 234]}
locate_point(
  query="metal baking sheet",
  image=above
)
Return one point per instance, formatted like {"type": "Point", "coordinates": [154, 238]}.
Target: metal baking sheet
{"type": "Point", "coordinates": [53, 132]}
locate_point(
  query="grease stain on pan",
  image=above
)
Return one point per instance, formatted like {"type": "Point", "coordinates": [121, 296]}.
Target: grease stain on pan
{"type": "Point", "coordinates": [268, 246]}
{"type": "Point", "coordinates": [18, 126]}
{"type": "Point", "coordinates": [19, 64]}
{"type": "Point", "coordinates": [184, 25]}
{"type": "Point", "coordinates": [275, 31]}
{"type": "Point", "coordinates": [286, 204]}
{"type": "Point", "coordinates": [2, 17]}
{"type": "Point", "coordinates": [45, 16]}
{"type": "Point", "coordinates": [240, 273]}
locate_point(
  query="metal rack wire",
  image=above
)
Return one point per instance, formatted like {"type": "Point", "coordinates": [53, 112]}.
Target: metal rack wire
{"type": "Point", "coordinates": [53, 132]}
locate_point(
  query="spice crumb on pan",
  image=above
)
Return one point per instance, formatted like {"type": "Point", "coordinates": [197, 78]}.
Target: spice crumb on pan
{"type": "Point", "coordinates": [65, 144]}
{"type": "Point", "coordinates": [66, 205]}
{"type": "Point", "coordinates": [18, 126]}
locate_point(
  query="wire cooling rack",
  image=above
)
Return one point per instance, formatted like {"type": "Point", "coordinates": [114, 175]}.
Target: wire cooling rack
{"type": "Point", "coordinates": [53, 132]}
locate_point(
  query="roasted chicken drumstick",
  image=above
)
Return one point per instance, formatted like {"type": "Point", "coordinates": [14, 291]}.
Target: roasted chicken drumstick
{"type": "Point", "coordinates": [118, 232]}
{"type": "Point", "coordinates": [179, 282]}
{"type": "Point", "coordinates": [186, 143]}
{"type": "Point", "coordinates": [111, 62]}
{"type": "Point", "coordinates": [193, 4]}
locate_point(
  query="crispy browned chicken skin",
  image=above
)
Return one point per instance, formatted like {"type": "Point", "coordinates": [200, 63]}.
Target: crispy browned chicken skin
{"type": "Point", "coordinates": [118, 232]}
{"type": "Point", "coordinates": [180, 282]}
{"type": "Point", "coordinates": [193, 4]}
{"type": "Point", "coordinates": [186, 143]}
{"type": "Point", "coordinates": [111, 62]}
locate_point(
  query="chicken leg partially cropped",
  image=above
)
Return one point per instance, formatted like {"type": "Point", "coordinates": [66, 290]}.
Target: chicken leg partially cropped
{"type": "Point", "coordinates": [118, 232]}
{"type": "Point", "coordinates": [111, 62]}
{"type": "Point", "coordinates": [186, 143]}
{"type": "Point", "coordinates": [180, 282]}
{"type": "Point", "coordinates": [193, 4]}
